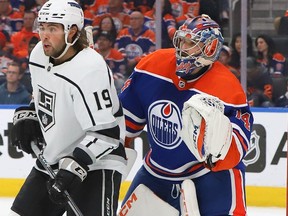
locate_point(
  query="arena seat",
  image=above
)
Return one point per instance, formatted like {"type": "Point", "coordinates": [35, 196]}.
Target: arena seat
{"type": "Point", "coordinates": [279, 87]}
{"type": "Point", "coordinates": [281, 43]}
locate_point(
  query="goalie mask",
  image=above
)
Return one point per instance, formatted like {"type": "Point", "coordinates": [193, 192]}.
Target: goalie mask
{"type": "Point", "coordinates": [65, 12]}
{"type": "Point", "coordinates": [198, 43]}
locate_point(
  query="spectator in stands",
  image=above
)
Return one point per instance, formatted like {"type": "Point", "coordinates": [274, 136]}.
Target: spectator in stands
{"type": "Point", "coordinates": [140, 5]}
{"type": "Point", "coordinates": [135, 41]}
{"type": "Point", "coordinates": [11, 20]}
{"type": "Point", "coordinates": [236, 52]}
{"type": "Point", "coordinates": [217, 10]}
{"type": "Point", "coordinates": [281, 24]}
{"type": "Point", "coordinates": [16, 4]}
{"type": "Point", "coordinates": [12, 91]}
{"type": "Point", "coordinates": [119, 14]}
{"type": "Point", "coordinates": [269, 57]}
{"type": "Point", "coordinates": [224, 58]}
{"type": "Point", "coordinates": [5, 57]}
{"type": "Point", "coordinates": [282, 101]}
{"type": "Point", "coordinates": [107, 24]}
{"type": "Point", "coordinates": [26, 79]}
{"type": "Point", "coordinates": [259, 84]}
{"type": "Point", "coordinates": [225, 55]}
{"type": "Point", "coordinates": [113, 58]}
{"type": "Point", "coordinates": [88, 15]}
{"type": "Point", "coordinates": [224, 12]}
{"type": "Point", "coordinates": [21, 39]}
{"type": "Point", "coordinates": [97, 6]}
{"type": "Point", "coordinates": [211, 8]}
{"type": "Point", "coordinates": [184, 9]}
{"type": "Point", "coordinates": [168, 23]}
{"type": "Point", "coordinates": [33, 5]}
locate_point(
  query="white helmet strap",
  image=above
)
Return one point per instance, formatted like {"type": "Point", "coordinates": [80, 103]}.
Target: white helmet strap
{"type": "Point", "coordinates": [68, 45]}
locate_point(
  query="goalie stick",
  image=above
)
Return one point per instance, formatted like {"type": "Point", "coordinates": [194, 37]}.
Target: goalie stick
{"type": "Point", "coordinates": [131, 155]}
{"type": "Point", "coordinates": [41, 158]}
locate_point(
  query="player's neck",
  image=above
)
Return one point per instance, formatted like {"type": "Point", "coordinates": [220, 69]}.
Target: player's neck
{"type": "Point", "coordinates": [71, 52]}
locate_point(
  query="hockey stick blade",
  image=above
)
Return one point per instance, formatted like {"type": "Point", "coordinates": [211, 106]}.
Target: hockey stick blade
{"type": "Point", "coordinates": [52, 174]}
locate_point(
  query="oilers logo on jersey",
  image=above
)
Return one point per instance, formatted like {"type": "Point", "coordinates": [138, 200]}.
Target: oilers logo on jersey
{"type": "Point", "coordinates": [46, 108]}
{"type": "Point", "coordinates": [133, 50]}
{"type": "Point", "coordinates": [165, 123]}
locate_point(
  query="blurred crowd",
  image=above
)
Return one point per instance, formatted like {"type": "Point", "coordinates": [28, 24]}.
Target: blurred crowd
{"type": "Point", "coordinates": [266, 70]}
{"type": "Point", "coordinates": [124, 32]}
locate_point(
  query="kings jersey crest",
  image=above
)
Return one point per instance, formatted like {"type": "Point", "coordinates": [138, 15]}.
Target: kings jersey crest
{"type": "Point", "coordinates": [46, 108]}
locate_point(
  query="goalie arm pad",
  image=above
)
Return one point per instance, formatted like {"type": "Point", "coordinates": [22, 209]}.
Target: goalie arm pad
{"type": "Point", "coordinates": [206, 131]}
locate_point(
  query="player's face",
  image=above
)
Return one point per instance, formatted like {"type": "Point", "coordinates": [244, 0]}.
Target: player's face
{"type": "Point", "coordinates": [106, 24]}
{"type": "Point", "coordinates": [224, 57]}
{"type": "Point", "coordinates": [189, 47]}
{"type": "Point", "coordinates": [28, 20]}
{"type": "Point", "coordinates": [52, 37]}
{"type": "Point", "coordinates": [136, 20]}
{"type": "Point", "coordinates": [13, 74]}
{"type": "Point", "coordinates": [238, 44]}
{"type": "Point", "coordinates": [104, 43]}
{"type": "Point", "coordinates": [261, 45]}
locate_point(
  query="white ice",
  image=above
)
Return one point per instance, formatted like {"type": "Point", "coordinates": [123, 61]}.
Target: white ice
{"type": "Point", "coordinates": [5, 204]}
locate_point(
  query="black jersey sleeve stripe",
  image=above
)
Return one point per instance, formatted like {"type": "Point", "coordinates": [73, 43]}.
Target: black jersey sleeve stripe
{"type": "Point", "coordinates": [111, 132]}
{"type": "Point", "coordinates": [110, 78]}
{"type": "Point", "coordinates": [92, 142]}
{"type": "Point", "coordinates": [37, 65]}
{"type": "Point", "coordinates": [103, 153]}
{"type": "Point", "coordinates": [79, 89]}
{"type": "Point", "coordinates": [119, 113]}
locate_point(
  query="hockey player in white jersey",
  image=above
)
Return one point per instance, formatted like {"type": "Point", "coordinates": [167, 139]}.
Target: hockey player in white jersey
{"type": "Point", "coordinates": [76, 112]}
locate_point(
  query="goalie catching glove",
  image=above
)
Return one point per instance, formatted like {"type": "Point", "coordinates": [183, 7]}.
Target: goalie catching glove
{"type": "Point", "coordinates": [70, 174]}
{"type": "Point", "coordinates": [206, 131]}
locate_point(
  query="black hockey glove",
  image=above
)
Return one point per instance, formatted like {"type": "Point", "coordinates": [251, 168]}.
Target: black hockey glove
{"type": "Point", "coordinates": [26, 128]}
{"type": "Point", "coordinates": [70, 175]}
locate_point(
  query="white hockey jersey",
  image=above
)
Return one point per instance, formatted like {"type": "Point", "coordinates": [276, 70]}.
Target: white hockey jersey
{"type": "Point", "coordinates": [77, 106]}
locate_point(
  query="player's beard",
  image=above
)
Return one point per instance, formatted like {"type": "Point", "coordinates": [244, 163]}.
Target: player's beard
{"type": "Point", "coordinates": [55, 51]}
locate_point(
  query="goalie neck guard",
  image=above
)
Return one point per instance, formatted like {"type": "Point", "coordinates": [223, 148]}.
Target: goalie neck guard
{"type": "Point", "coordinates": [200, 32]}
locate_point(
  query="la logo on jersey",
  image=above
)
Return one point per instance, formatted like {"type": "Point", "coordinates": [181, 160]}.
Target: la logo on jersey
{"type": "Point", "coordinates": [165, 123]}
{"type": "Point", "coordinates": [46, 107]}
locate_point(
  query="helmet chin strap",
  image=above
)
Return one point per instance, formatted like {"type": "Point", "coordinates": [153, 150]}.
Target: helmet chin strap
{"type": "Point", "coordinates": [68, 45]}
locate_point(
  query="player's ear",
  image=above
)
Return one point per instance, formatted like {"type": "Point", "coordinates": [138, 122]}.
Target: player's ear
{"type": "Point", "coordinates": [72, 33]}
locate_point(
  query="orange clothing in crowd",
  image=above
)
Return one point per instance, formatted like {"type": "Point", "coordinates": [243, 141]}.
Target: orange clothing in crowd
{"type": "Point", "coordinates": [168, 19]}
{"type": "Point", "coordinates": [121, 20]}
{"type": "Point", "coordinates": [20, 41]}
{"type": "Point", "coordinates": [182, 9]}
{"type": "Point", "coordinates": [98, 7]}
{"type": "Point", "coordinates": [131, 6]}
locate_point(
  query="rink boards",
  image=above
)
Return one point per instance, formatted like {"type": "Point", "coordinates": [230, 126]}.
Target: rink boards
{"type": "Point", "coordinates": [266, 175]}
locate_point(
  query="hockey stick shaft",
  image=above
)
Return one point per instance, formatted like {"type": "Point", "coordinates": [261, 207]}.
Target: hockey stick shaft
{"type": "Point", "coordinates": [52, 174]}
